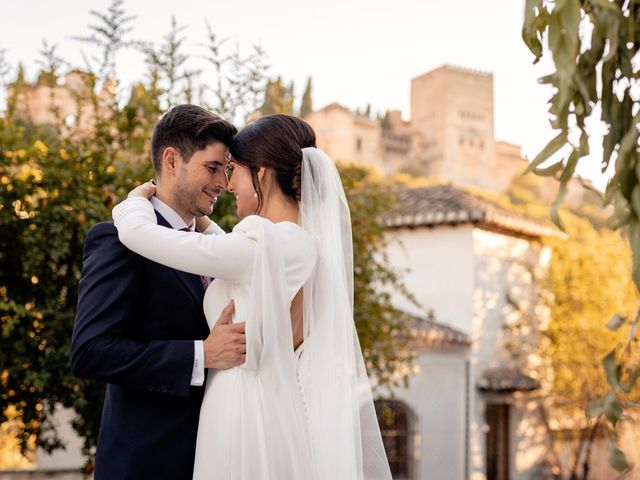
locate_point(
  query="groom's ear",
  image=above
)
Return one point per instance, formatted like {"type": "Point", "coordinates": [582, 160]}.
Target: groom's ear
{"type": "Point", "coordinates": [170, 159]}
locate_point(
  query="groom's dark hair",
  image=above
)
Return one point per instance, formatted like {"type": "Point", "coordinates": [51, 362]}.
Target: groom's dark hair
{"type": "Point", "coordinates": [188, 128]}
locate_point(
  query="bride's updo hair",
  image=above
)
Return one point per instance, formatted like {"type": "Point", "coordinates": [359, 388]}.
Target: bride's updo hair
{"type": "Point", "coordinates": [275, 142]}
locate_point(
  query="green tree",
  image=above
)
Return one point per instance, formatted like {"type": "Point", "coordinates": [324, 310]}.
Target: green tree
{"type": "Point", "coordinates": [109, 35]}
{"type": "Point", "coordinates": [385, 122]}
{"type": "Point", "coordinates": [592, 44]}
{"type": "Point", "coordinates": [278, 98]}
{"type": "Point", "coordinates": [382, 329]}
{"type": "Point", "coordinates": [57, 181]}
{"type": "Point", "coordinates": [50, 64]}
{"type": "Point", "coordinates": [53, 190]}
{"type": "Point", "coordinates": [239, 81]}
{"type": "Point", "coordinates": [306, 105]}
{"type": "Point", "coordinates": [4, 67]}
{"type": "Point", "coordinates": [167, 65]}
{"type": "Point", "coordinates": [18, 87]}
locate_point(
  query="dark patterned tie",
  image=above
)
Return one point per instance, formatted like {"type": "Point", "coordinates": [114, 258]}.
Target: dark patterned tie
{"type": "Point", "coordinates": [206, 281]}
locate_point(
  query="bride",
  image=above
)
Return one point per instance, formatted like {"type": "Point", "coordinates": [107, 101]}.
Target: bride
{"type": "Point", "coordinates": [300, 407]}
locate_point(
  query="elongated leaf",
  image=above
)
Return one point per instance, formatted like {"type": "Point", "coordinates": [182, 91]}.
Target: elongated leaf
{"type": "Point", "coordinates": [548, 79]}
{"type": "Point", "coordinates": [564, 22]}
{"type": "Point", "coordinates": [621, 210]}
{"type": "Point", "coordinates": [612, 35]}
{"type": "Point", "coordinates": [607, 77]}
{"type": "Point", "coordinates": [550, 171]}
{"type": "Point", "coordinates": [611, 190]}
{"type": "Point", "coordinates": [531, 27]}
{"type": "Point", "coordinates": [564, 43]}
{"type": "Point", "coordinates": [635, 200]}
{"type": "Point", "coordinates": [572, 161]}
{"type": "Point", "coordinates": [606, 5]}
{"type": "Point", "coordinates": [612, 369]}
{"type": "Point", "coordinates": [612, 408]}
{"type": "Point", "coordinates": [595, 408]}
{"type": "Point", "coordinates": [629, 141]}
{"type": "Point", "coordinates": [615, 322]}
{"type": "Point", "coordinates": [585, 93]}
{"type": "Point", "coordinates": [550, 148]}
{"type": "Point", "coordinates": [617, 459]}
{"type": "Point", "coordinates": [634, 240]}
{"type": "Point", "coordinates": [609, 143]}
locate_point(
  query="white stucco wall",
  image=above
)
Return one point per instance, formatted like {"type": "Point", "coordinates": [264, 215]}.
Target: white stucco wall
{"type": "Point", "coordinates": [506, 265]}
{"type": "Point", "coordinates": [438, 268]}
{"type": "Point", "coordinates": [69, 457]}
{"type": "Point", "coordinates": [436, 397]}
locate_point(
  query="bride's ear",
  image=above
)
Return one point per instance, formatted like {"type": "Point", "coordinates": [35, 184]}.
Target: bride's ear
{"type": "Point", "coordinates": [262, 171]}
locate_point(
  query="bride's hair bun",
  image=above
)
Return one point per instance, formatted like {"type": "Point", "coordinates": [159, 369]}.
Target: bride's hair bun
{"type": "Point", "coordinates": [276, 142]}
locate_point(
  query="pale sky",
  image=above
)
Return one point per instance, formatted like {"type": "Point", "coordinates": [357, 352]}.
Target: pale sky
{"type": "Point", "coordinates": [356, 51]}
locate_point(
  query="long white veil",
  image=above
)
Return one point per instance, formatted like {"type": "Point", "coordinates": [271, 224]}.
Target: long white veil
{"type": "Point", "coordinates": [345, 436]}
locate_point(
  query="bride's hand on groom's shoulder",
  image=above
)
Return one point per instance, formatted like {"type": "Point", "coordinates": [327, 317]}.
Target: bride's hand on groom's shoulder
{"type": "Point", "coordinates": [146, 190]}
{"type": "Point", "coordinates": [226, 346]}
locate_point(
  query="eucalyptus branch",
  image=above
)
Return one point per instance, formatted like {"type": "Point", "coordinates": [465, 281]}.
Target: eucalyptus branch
{"type": "Point", "coordinates": [109, 36]}
{"type": "Point", "coordinates": [592, 44]}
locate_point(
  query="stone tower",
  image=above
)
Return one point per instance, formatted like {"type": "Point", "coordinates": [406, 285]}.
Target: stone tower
{"type": "Point", "coordinates": [452, 109]}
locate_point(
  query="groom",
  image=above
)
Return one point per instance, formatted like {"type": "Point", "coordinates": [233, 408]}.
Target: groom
{"type": "Point", "coordinates": [140, 326]}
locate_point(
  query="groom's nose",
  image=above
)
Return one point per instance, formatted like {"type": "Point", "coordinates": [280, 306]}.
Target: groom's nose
{"type": "Point", "coordinates": [222, 182]}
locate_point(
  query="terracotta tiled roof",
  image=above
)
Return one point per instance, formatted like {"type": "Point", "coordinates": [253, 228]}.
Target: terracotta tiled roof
{"type": "Point", "coordinates": [506, 380]}
{"type": "Point", "coordinates": [427, 332]}
{"type": "Point", "coordinates": [448, 205]}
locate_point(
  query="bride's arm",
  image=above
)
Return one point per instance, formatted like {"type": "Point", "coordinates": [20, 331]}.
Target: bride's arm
{"type": "Point", "coordinates": [208, 227]}
{"type": "Point", "coordinates": [228, 256]}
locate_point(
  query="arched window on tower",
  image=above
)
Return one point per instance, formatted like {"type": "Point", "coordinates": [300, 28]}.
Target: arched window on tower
{"type": "Point", "coordinates": [397, 427]}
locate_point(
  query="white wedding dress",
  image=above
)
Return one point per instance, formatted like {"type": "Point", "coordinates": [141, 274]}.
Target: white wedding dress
{"type": "Point", "coordinates": [252, 421]}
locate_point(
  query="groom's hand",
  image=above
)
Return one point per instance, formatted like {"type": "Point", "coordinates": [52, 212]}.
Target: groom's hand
{"type": "Point", "coordinates": [226, 346]}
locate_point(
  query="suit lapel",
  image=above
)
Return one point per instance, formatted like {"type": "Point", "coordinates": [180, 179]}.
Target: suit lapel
{"type": "Point", "coordinates": [192, 282]}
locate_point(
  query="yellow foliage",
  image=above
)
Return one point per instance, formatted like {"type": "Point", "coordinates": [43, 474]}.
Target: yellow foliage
{"type": "Point", "coordinates": [30, 170]}
{"type": "Point", "coordinates": [590, 278]}
{"type": "Point", "coordinates": [10, 456]}
{"type": "Point", "coordinates": [41, 147]}
{"type": "Point", "coordinates": [414, 182]}
{"type": "Point", "coordinates": [63, 154]}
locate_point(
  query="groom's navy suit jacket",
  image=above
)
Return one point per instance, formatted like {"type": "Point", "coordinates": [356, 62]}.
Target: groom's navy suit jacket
{"type": "Point", "coordinates": [135, 328]}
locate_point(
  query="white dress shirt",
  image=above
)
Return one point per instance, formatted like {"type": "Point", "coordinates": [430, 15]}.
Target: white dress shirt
{"type": "Point", "coordinates": [197, 374]}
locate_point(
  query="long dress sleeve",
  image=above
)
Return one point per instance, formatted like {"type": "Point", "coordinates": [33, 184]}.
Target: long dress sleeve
{"type": "Point", "coordinates": [226, 256]}
{"type": "Point", "coordinates": [213, 229]}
